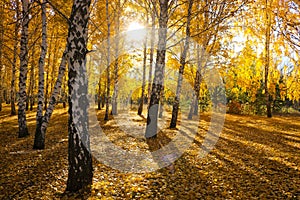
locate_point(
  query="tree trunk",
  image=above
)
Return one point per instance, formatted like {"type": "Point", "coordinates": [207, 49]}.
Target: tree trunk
{"type": "Point", "coordinates": [103, 94]}
{"type": "Point", "coordinates": [181, 68]}
{"type": "Point", "coordinates": [196, 105]}
{"type": "Point", "coordinates": [201, 56]}
{"type": "Point", "coordinates": [1, 96]}
{"type": "Point", "coordinates": [47, 71]}
{"type": "Point", "coordinates": [42, 127]}
{"type": "Point", "coordinates": [39, 140]}
{"type": "Point", "coordinates": [99, 97]}
{"type": "Point", "coordinates": [1, 49]}
{"type": "Point", "coordinates": [116, 69]}
{"type": "Point", "coordinates": [141, 103]}
{"type": "Point", "coordinates": [99, 93]}
{"type": "Point", "coordinates": [53, 67]}
{"type": "Point", "coordinates": [108, 62]}
{"type": "Point", "coordinates": [14, 64]}
{"type": "Point", "coordinates": [157, 86]}
{"type": "Point", "coordinates": [13, 69]}
{"type": "Point", "coordinates": [267, 59]}
{"type": "Point", "coordinates": [195, 99]}
{"type": "Point", "coordinates": [5, 93]}
{"type": "Point", "coordinates": [162, 101]}
{"type": "Point", "coordinates": [152, 38]}
{"type": "Point", "coordinates": [23, 131]}
{"type": "Point", "coordinates": [31, 82]}
{"type": "Point", "coordinates": [63, 89]}
{"type": "Point", "coordinates": [80, 158]}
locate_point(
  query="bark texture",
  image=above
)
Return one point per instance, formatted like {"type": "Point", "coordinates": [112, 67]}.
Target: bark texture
{"type": "Point", "coordinates": [39, 140]}
{"type": "Point", "coordinates": [80, 159]}
{"type": "Point", "coordinates": [23, 130]}
{"type": "Point", "coordinates": [157, 86]}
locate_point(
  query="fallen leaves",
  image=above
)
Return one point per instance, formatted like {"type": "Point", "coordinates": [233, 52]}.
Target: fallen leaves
{"type": "Point", "coordinates": [254, 158]}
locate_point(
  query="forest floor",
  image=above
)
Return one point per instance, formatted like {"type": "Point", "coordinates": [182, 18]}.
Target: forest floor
{"type": "Point", "coordinates": [254, 158]}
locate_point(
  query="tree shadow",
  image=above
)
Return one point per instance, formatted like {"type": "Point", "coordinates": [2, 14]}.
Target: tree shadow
{"type": "Point", "coordinates": [30, 174]}
{"type": "Point", "coordinates": [242, 165]}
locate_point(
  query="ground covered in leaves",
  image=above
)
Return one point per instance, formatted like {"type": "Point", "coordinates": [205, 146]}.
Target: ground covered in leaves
{"type": "Point", "coordinates": [254, 158]}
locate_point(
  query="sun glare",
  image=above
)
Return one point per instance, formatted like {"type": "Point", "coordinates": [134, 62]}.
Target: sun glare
{"type": "Point", "coordinates": [136, 32]}
{"type": "Point", "coordinates": [134, 26]}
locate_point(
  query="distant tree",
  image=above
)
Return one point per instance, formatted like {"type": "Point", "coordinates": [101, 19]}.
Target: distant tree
{"type": "Point", "coordinates": [108, 61]}
{"type": "Point", "coordinates": [99, 95]}
{"type": "Point", "coordinates": [114, 108]}
{"type": "Point", "coordinates": [141, 103]}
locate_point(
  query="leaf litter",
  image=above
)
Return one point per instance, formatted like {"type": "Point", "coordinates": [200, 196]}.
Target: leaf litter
{"type": "Point", "coordinates": [255, 157]}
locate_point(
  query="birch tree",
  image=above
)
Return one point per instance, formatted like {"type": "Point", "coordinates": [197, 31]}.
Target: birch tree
{"type": "Point", "coordinates": [182, 65]}
{"type": "Point", "coordinates": [80, 159]}
{"type": "Point", "coordinates": [114, 110]}
{"type": "Point", "coordinates": [39, 140]}
{"type": "Point", "coordinates": [108, 62]}
{"type": "Point", "coordinates": [23, 130]}
{"type": "Point", "coordinates": [14, 64]}
{"type": "Point", "coordinates": [151, 56]}
{"type": "Point", "coordinates": [157, 85]}
{"type": "Point", "coordinates": [142, 98]}
{"type": "Point", "coordinates": [41, 128]}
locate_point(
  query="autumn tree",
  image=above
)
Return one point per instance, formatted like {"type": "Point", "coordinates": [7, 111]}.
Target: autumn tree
{"type": "Point", "coordinates": [287, 14]}
{"type": "Point", "coordinates": [261, 56]}
{"type": "Point", "coordinates": [213, 19]}
{"type": "Point", "coordinates": [10, 44]}
{"type": "Point", "coordinates": [33, 44]}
